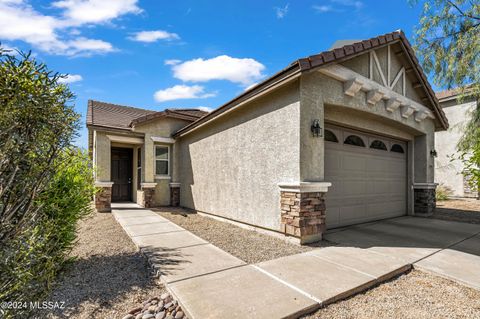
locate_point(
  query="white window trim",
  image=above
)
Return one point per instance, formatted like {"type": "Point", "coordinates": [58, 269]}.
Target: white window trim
{"type": "Point", "coordinates": [161, 176]}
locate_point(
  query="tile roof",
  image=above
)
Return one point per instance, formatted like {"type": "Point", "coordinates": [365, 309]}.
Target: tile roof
{"type": "Point", "coordinates": [122, 117]}
{"type": "Point", "coordinates": [336, 55]}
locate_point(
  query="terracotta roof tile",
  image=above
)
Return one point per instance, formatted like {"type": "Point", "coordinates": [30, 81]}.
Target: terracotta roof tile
{"type": "Point", "coordinates": [113, 115]}
{"type": "Point", "coordinates": [121, 117]}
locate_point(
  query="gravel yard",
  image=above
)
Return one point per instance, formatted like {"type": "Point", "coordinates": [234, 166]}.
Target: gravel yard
{"type": "Point", "coordinates": [460, 210]}
{"type": "Point", "coordinates": [248, 245]}
{"type": "Point", "coordinates": [415, 295]}
{"type": "Point", "coordinates": [109, 278]}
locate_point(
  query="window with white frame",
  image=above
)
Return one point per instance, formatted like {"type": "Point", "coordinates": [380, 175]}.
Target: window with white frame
{"type": "Point", "coordinates": [162, 159]}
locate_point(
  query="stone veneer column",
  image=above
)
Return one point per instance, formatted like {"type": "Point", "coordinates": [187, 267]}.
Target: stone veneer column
{"type": "Point", "coordinates": [148, 198]}
{"type": "Point", "coordinates": [103, 196]}
{"type": "Point", "coordinates": [424, 199]}
{"type": "Point", "coordinates": [303, 210]}
{"type": "Point", "coordinates": [174, 194]}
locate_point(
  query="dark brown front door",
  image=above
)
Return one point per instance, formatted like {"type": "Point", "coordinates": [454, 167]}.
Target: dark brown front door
{"type": "Point", "coordinates": [121, 174]}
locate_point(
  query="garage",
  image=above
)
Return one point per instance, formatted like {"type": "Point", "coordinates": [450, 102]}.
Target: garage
{"type": "Point", "coordinates": [368, 175]}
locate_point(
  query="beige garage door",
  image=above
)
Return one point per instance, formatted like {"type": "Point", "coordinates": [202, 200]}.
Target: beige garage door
{"type": "Point", "coordinates": [368, 175]}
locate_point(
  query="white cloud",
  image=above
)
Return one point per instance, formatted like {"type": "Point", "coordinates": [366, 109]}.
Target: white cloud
{"type": "Point", "coordinates": [349, 3]}
{"type": "Point", "coordinates": [178, 92]}
{"type": "Point", "coordinates": [78, 12]}
{"type": "Point", "coordinates": [87, 46]}
{"type": "Point", "coordinates": [322, 8]}
{"type": "Point", "coordinates": [339, 6]}
{"type": "Point", "coordinates": [223, 67]}
{"type": "Point", "coordinates": [281, 12]}
{"type": "Point", "coordinates": [205, 108]}
{"type": "Point", "coordinates": [71, 78]}
{"type": "Point", "coordinates": [172, 62]}
{"type": "Point", "coordinates": [153, 36]}
{"type": "Point", "coordinates": [54, 34]}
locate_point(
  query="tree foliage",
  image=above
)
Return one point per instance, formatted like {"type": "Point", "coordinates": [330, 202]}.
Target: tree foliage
{"type": "Point", "coordinates": [37, 121]}
{"type": "Point", "coordinates": [46, 184]}
{"type": "Point", "coordinates": [447, 42]}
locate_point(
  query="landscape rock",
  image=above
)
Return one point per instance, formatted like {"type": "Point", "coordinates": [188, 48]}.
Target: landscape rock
{"type": "Point", "coordinates": [129, 316]}
{"type": "Point", "coordinates": [179, 315]}
{"type": "Point", "coordinates": [160, 315]}
{"type": "Point", "coordinates": [135, 310]}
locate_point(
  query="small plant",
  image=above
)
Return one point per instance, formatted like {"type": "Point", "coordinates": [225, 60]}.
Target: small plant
{"type": "Point", "coordinates": [443, 192]}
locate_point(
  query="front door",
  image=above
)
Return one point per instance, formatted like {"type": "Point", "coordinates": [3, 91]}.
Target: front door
{"type": "Point", "coordinates": [121, 174]}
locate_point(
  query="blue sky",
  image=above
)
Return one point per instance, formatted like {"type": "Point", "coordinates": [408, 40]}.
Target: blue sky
{"type": "Point", "coordinates": [161, 54]}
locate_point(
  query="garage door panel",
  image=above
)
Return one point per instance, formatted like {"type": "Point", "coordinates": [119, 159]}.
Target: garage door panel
{"type": "Point", "coordinates": [367, 184]}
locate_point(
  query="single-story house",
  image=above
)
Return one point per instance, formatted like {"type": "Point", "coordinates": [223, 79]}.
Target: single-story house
{"type": "Point", "coordinates": [449, 169]}
{"type": "Point", "coordinates": [342, 137]}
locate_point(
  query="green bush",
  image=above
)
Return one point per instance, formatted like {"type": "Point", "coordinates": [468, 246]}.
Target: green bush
{"type": "Point", "coordinates": [46, 185]}
{"type": "Point", "coordinates": [443, 192]}
{"type": "Point", "coordinates": [35, 257]}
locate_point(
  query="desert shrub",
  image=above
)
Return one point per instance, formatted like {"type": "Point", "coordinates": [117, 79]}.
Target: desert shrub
{"type": "Point", "coordinates": [45, 184]}
{"type": "Point", "coordinates": [443, 192]}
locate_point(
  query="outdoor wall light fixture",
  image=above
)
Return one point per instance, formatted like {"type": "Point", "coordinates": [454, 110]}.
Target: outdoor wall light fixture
{"type": "Point", "coordinates": [433, 153]}
{"type": "Point", "coordinates": [316, 129]}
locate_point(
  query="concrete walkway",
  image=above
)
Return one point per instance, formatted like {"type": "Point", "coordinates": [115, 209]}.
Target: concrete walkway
{"type": "Point", "coordinates": [210, 283]}
{"type": "Point", "coordinates": [445, 248]}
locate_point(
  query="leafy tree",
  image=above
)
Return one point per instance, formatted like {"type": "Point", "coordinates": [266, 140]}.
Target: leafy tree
{"type": "Point", "coordinates": [448, 43]}
{"type": "Point", "coordinates": [46, 184]}
{"type": "Point", "coordinates": [37, 121]}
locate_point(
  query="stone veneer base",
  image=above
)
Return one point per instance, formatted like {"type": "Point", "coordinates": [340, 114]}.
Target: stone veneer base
{"type": "Point", "coordinates": [174, 196]}
{"type": "Point", "coordinates": [425, 201]}
{"type": "Point", "coordinates": [303, 215]}
{"type": "Point", "coordinates": [148, 197]}
{"type": "Point", "coordinates": [103, 199]}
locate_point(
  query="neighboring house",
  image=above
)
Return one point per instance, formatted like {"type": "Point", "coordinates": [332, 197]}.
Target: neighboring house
{"type": "Point", "coordinates": [448, 168]}
{"type": "Point", "coordinates": [338, 138]}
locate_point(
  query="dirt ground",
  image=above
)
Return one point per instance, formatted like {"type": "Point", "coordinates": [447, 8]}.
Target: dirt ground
{"type": "Point", "coordinates": [248, 245]}
{"type": "Point", "coordinates": [109, 278]}
{"type": "Point", "coordinates": [460, 210]}
{"type": "Point", "coordinates": [415, 295]}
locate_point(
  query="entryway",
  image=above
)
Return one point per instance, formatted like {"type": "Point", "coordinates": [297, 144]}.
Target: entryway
{"type": "Point", "coordinates": [121, 174]}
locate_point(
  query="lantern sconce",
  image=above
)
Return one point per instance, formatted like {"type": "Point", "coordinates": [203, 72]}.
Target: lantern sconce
{"type": "Point", "coordinates": [433, 153]}
{"type": "Point", "coordinates": [316, 129]}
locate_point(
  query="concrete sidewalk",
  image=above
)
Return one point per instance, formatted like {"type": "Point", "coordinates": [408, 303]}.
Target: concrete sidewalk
{"type": "Point", "coordinates": [445, 248]}
{"type": "Point", "coordinates": [210, 283]}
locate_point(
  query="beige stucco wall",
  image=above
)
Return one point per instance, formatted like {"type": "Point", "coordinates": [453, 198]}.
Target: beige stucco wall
{"type": "Point", "coordinates": [231, 168]}
{"type": "Point", "coordinates": [447, 171]}
{"type": "Point", "coordinates": [161, 127]}
{"type": "Point", "coordinates": [101, 156]}
{"type": "Point", "coordinates": [354, 112]}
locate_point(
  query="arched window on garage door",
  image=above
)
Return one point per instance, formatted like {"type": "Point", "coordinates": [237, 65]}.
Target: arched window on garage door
{"type": "Point", "coordinates": [396, 148]}
{"type": "Point", "coordinates": [378, 145]}
{"type": "Point", "coordinates": [330, 136]}
{"type": "Point", "coordinates": [354, 140]}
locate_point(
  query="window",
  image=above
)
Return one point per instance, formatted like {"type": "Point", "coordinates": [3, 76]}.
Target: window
{"type": "Point", "coordinates": [162, 157]}
{"type": "Point", "coordinates": [378, 145]}
{"type": "Point", "coordinates": [397, 149]}
{"type": "Point", "coordinates": [330, 136]}
{"type": "Point", "coordinates": [354, 140]}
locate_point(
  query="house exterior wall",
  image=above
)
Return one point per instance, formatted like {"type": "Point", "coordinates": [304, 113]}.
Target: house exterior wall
{"type": "Point", "coordinates": [448, 170]}
{"type": "Point", "coordinates": [232, 168]}
{"type": "Point", "coordinates": [163, 127]}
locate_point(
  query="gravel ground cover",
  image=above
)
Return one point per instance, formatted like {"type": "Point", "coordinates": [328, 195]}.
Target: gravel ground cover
{"type": "Point", "coordinates": [248, 245]}
{"type": "Point", "coordinates": [415, 295]}
{"type": "Point", "coordinates": [109, 278]}
{"type": "Point", "coordinates": [460, 210]}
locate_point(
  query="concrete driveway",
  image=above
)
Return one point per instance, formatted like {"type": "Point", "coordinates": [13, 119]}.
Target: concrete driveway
{"type": "Point", "coordinates": [446, 248]}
